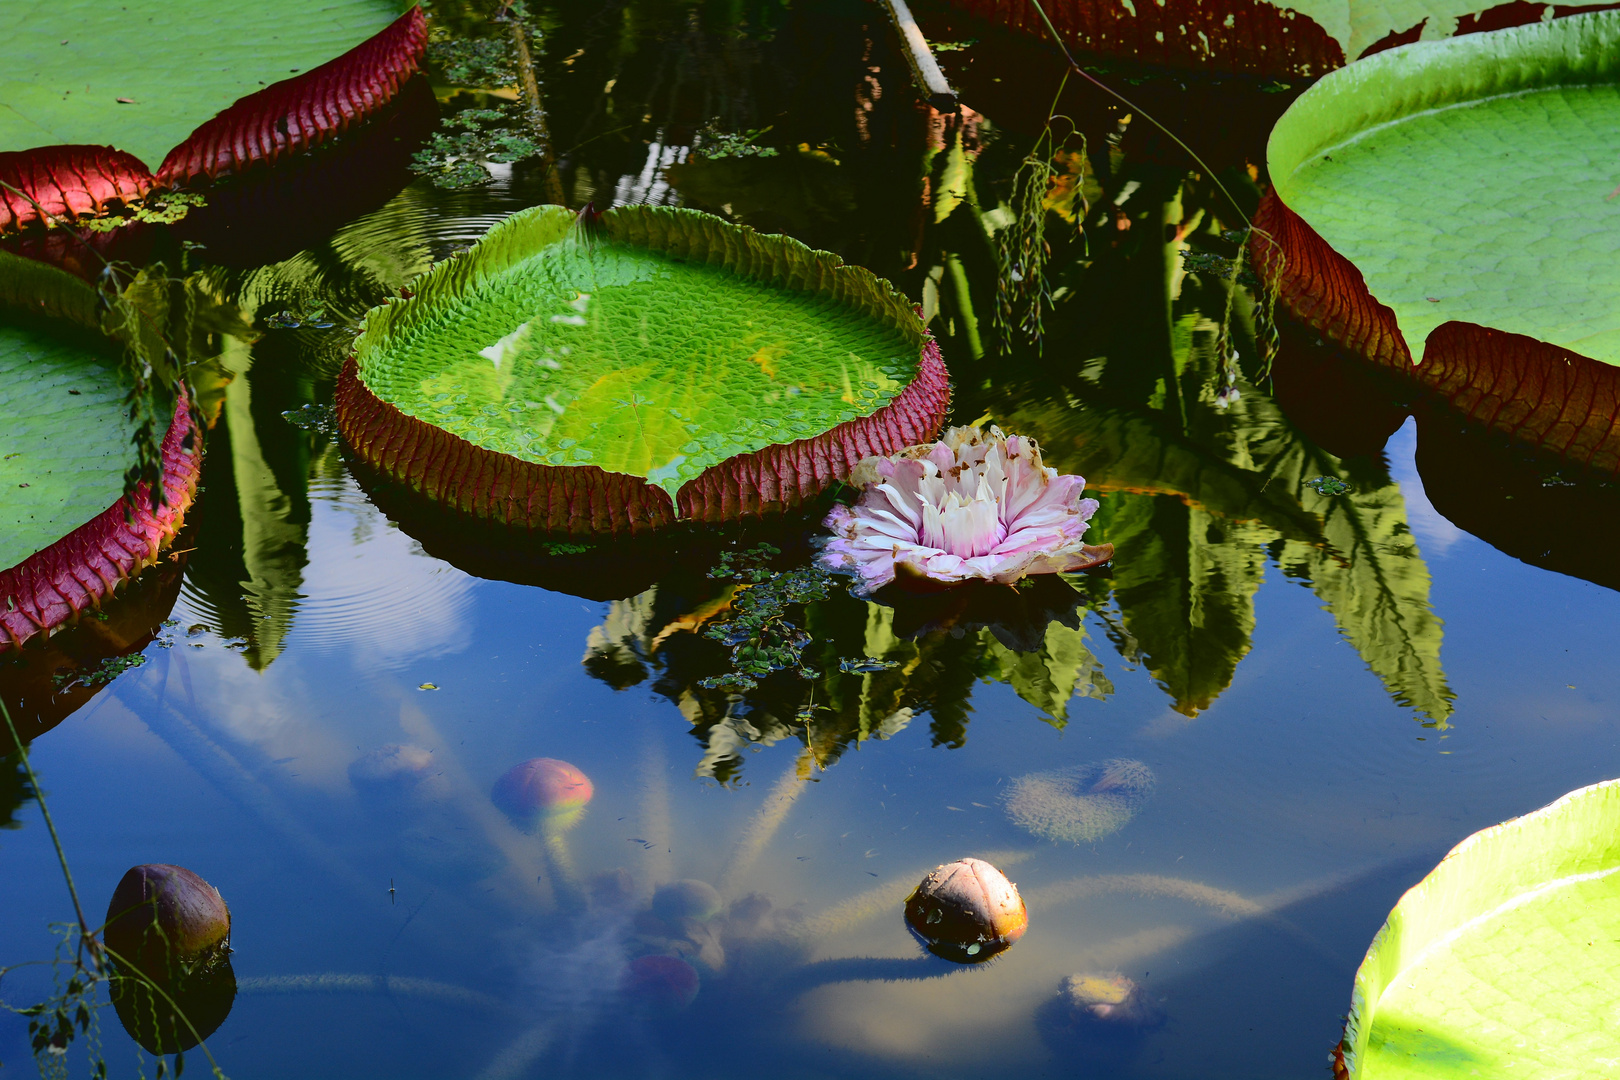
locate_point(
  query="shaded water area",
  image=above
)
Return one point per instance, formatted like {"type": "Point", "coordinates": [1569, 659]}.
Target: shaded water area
{"type": "Point", "coordinates": [1339, 633]}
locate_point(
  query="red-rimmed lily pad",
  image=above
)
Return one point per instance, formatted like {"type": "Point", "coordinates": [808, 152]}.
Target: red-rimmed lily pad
{"type": "Point", "coordinates": [81, 75]}
{"type": "Point", "coordinates": [613, 375]}
{"type": "Point", "coordinates": [1454, 201]}
{"type": "Point", "coordinates": [69, 537]}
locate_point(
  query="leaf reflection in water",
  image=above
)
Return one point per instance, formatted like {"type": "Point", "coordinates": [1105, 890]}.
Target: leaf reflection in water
{"type": "Point", "coordinates": [1203, 488]}
{"type": "Point", "coordinates": [931, 651]}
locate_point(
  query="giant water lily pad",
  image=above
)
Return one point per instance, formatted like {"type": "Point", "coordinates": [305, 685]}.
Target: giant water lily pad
{"type": "Point", "coordinates": [1472, 180]}
{"type": "Point", "coordinates": [68, 534]}
{"type": "Point", "coordinates": [1503, 962]}
{"type": "Point", "coordinates": [177, 62]}
{"type": "Point", "coordinates": [66, 441]}
{"type": "Point", "coordinates": [1447, 209]}
{"type": "Point", "coordinates": [657, 363]}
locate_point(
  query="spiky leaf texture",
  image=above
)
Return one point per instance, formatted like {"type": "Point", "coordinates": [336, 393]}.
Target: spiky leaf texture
{"type": "Point", "coordinates": [1397, 225]}
{"type": "Point", "coordinates": [300, 113]}
{"type": "Point", "coordinates": [662, 364]}
{"type": "Point", "coordinates": [56, 183]}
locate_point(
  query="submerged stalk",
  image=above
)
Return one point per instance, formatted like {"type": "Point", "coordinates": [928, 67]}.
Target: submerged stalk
{"type": "Point", "coordinates": [86, 938]}
{"type": "Point", "coordinates": [535, 107]}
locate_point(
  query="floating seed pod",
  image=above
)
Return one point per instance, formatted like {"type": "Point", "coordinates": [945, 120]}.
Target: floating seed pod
{"type": "Point", "coordinates": [688, 899]}
{"type": "Point", "coordinates": [543, 791]}
{"type": "Point", "coordinates": [966, 911]}
{"type": "Point", "coordinates": [664, 982]}
{"type": "Point", "coordinates": [167, 922]}
{"type": "Point", "coordinates": [169, 930]}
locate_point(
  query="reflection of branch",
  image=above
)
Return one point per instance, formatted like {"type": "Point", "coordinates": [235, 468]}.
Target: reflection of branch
{"type": "Point", "coordinates": [766, 821]}
{"type": "Point", "coordinates": [865, 969]}
{"type": "Point", "coordinates": [387, 985]}
{"type": "Point", "coordinates": [923, 66]}
{"type": "Point", "coordinates": [85, 937]}
{"type": "Point", "coordinates": [1230, 904]}
{"type": "Point", "coordinates": [536, 110]}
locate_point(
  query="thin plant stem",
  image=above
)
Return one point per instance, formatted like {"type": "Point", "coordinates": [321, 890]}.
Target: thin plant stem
{"type": "Point", "coordinates": [536, 109]}
{"type": "Point", "coordinates": [1084, 74]}
{"type": "Point", "coordinates": [86, 938]}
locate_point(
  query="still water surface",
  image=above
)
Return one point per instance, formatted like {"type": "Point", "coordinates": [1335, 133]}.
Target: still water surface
{"type": "Point", "coordinates": [1317, 694]}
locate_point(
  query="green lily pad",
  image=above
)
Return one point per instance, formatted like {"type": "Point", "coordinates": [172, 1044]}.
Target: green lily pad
{"type": "Point", "coordinates": [1472, 180]}
{"type": "Point", "coordinates": [1502, 962]}
{"type": "Point", "coordinates": [66, 440]}
{"type": "Point", "coordinates": [665, 343]}
{"type": "Point", "coordinates": [176, 62]}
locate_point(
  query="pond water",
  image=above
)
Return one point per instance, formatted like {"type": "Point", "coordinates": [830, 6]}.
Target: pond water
{"type": "Point", "coordinates": [1212, 769]}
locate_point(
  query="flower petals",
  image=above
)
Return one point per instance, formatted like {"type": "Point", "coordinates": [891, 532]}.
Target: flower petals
{"type": "Point", "coordinates": [974, 505]}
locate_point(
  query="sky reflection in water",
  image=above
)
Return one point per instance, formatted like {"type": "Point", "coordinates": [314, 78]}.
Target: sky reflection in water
{"type": "Point", "coordinates": [1326, 691]}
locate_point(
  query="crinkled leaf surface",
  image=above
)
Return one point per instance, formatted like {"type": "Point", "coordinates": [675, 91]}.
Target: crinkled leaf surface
{"type": "Point", "coordinates": [1503, 962]}
{"type": "Point", "coordinates": [1473, 180]}
{"type": "Point", "coordinates": [562, 350]}
{"type": "Point", "coordinates": [65, 441]}
{"type": "Point", "coordinates": [178, 62]}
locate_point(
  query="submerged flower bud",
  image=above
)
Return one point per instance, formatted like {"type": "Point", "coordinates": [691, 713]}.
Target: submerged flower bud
{"type": "Point", "coordinates": [543, 791]}
{"type": "Point", "coordinates": [966, 911]}
{"type": "Point", "coordinates": [976, 505]}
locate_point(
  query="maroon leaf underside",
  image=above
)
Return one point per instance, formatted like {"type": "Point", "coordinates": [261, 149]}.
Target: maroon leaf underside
{"type": "Point", "coordinates": [55, 585]}
{"type": "Point", "coordinates": [295, 115]}
{"type": "Point", "coordinates": [586, 500]}
{"type": "Point", "coordinates": [1249, 37]}
{"type": "Point", "coordinates": [1538, 395]}
{"type": "Point", "coordinates": [67, 182]}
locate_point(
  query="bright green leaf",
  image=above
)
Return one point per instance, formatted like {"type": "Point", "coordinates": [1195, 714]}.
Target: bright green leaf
{"type": "Point", "coordinates": [1472, 179]}
{"type": "Point", "coordinates": [178, 62]}
{"type": "Point", "coordinates": [65, 442]}
{"type": "Point", "coordinates": [562, 349]}
{"type": "Point", "coordinates": [1502, 962]}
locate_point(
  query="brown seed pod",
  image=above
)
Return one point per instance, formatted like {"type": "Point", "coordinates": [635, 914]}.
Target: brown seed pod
{"type": "Point", "coordinates": [167, 922]}
{"type": "Point", "coordinates": [966, 911]}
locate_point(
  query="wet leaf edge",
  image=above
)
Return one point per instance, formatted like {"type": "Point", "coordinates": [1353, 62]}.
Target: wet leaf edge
{"type": "Point", "coordinates": [1480, 874]}
{"type": "Point", "coordinates": [1538, 395]}
{"type": "Point", "coordinates": [55, 585]}
{"type": "Point", "coordinates": [584, 500]}
{"type": "Point", "coordinates": [284, 119]}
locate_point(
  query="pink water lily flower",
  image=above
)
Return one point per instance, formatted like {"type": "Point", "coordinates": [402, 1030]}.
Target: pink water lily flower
{"type": "Point", "coordinates": [977, 505]}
